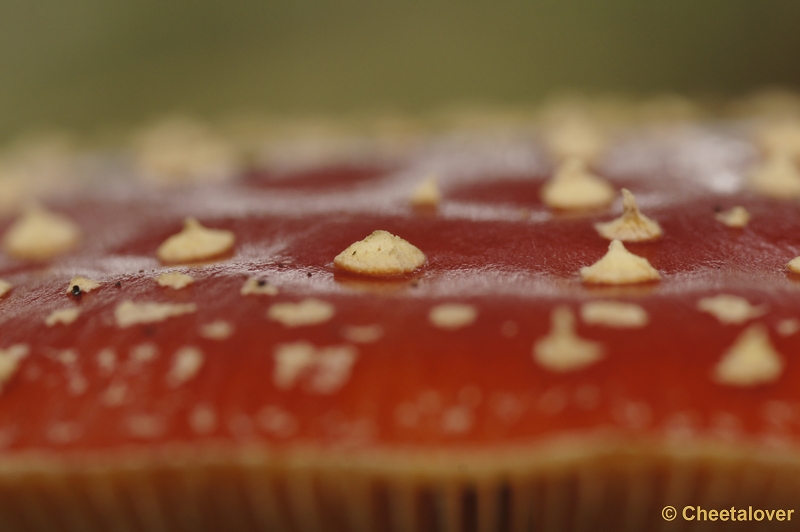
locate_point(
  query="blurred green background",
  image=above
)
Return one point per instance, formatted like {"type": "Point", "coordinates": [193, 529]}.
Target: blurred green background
{"type": "Point", "coordinates": [91, 64]}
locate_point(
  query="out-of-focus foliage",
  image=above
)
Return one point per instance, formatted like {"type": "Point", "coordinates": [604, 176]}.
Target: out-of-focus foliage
{"type": "Point", "coordinates": [87, 64]}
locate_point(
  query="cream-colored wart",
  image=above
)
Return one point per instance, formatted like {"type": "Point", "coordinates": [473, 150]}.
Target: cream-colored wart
{"type": "Point", "coordinates": [325, 370]}
{"type": "Point", "coordinates": [174, 280]}
{"type": "Point", "coordinates": [562, 350]}
{"type": "Point", "coordinates": [129, 313]}
{"type": "Point", "coordinates": [258, 287]}
{"type": "Point", "coordinates": [729, 309]}
{"type": "Point", "coordinates": [780, 138]}
{"type": "Point", "coordinates": [362, 334]}
{"type": "Point", "coordinates": [216, 330]}
{"type": "Point", "coordinates": [63, 316]}
{"type": "Point", "coordinates": [574, 136]}
{"type": "Point", "coordinates": [788, 327]}
{"type": "Point", "coordinates": [185, 365]}
{"type": "Point", "coordinates": [632, 226]}
{"type": "Point", "coordinates": [794, 265]}
{"type": "Point", "coordinates": [777, 177]}
{"type": "Point", "coordinates": [84, 285]}
{"type": "Point", "coordinates": [195, 243]}
{"type": "Point", "coordinates": [451, 316]}
{"type": "Point", "coordinates": [40, 234]}
{"type": "Point", "coordinates": [5, 287]}
{"type": "Point", "coordinates": [619, 266]}
{"type": "Point", "coordinates": [614, 314]}
{"type": "Point", "coordinates": [381, 253]}
{"type": "Point", "coordinates": [307, 312]}
{"type": "Point", "coordinates": [750, 361]}
{"type": "Point", "coordinates": [737, 217]}
{"type": "Point", "coordinates": [575, 187]}
{"type": "Point", "coordinates": [181, 151]}
{"type": "Point", "coordinates": [10, 358]}
{"type": "Point", "coordinates": [427, 194]}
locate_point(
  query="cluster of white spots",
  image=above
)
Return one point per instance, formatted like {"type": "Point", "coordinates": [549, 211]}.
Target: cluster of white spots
{"type": "Point", "coordinates": [216, 330]}
{"type": "Point", "coordinates": [144, 352]}
{"type": "Point", "coordinates": [174, 280]}
{"type": "Point", "coordinates": [632, 226]}
{"type": "Point", "coordinates": [307, 312]}
{"type": "Point", "coordinates": [145, 426]}
{"type": "Point", "coordinates": [619, 266]}
{"type": "Point", "coordinates": [736, 217]}
{"type": "Point", "coordinates": [195, 243]}
{"type": "Point", "coordinates": [180, 151]}
{"type": "Point", "coordinates": [129, 313]}
{"type": "Point", "coordinates": [40, 235]}
{"type": "Point", "coordinates": [107, 360]}
{"type": "Point", "coordinates": [62, 316]}
{"type": "Point", "coordinates": [451, 316]}
{"type": "Point", "coordinates": [555, 400]}
{"type": "Point", "coordinates": [427, 194]}
{"type": "Point", "coordinates": [381, 253]}
{"type": "Point", "coordinates": [5, 287]}
{"type": "Point", "coordinates": [430, 410]}
{"type": "Point", "coordinates": [277, 421]}
{"type": "Point", "coordinates": [777, 177]}
{"type": "Point", "coordinates": [729, 309]}
{"type": "Point", "coordinates": [752, 360]}
{"type": "Point", "coordinates": [614, 314]}
{"type": "Point", "coordinates": [552, 401]}
{"type": "Point", "coordinates": [185, 365]}
{"type": "Point", "coordinates": [788, 327]}
{"type": "Point", "coordinates": [203, 419]}
{"type": "Point", "coordinates": [562, 350]}
{"type": "Point", "coordinates": [574, 187]}
{"type": "Point", "coordinates": [258, 287]}
{"type": "Point", "coordinates": [76, 382]}
{"type": "Point", "coordinates": [85, 285]}
{"type": "Point", "coordinates": [325, 369]}
{"type": "Point", "coordinates": [10, 358]}
{"type": "Point", "coordinates": [362, 334]}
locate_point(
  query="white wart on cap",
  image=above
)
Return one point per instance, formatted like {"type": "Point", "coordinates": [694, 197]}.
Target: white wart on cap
{"type": "Point", "coordinates": [562, 350]}
{"type": "Point", "coordinates": [427, 194]}
{"type": "Point", "coordinates": [40, 235]}
{"type": "Point", "coordinates": [619, 266]}
{"type": "Point", "coordinates": [574, 187]}
{"type": "Point", "coordinates": [750, 361]}
{"type": "Point", "coordinates": [777, 177]}
{"type": "Point", "coordinates": [195, 243]}
{"type": "Point", "coordinates": [632, 226]}
{"type": "Point", "coordinates": [736, 217]}
{"type": "Point", "coordinates": [381, 253]}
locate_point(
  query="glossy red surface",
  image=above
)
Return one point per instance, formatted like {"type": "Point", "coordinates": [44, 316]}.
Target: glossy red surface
{"type": "Point", "coordinates": [491, 244]}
